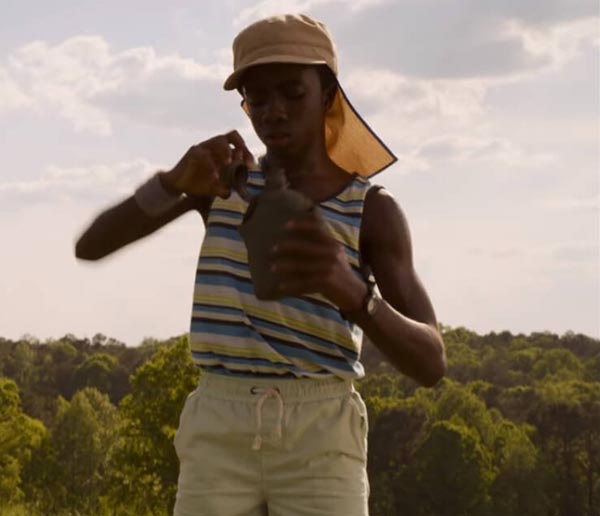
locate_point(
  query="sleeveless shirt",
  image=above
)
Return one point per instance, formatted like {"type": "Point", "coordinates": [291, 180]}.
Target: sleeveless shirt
{"type": "Point", "coordinates": [234, 333]}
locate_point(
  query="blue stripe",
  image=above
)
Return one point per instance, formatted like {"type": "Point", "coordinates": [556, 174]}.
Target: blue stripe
{"type": "Point", "coordinates": [309, 355]}
{"type": "Point", "coordinates": [253, 190]}
{"type": "Point", "coordinates": [256, 174]}
{"type": "Point", "coordinates": [230, 330]}
{"type": "Point", "coordinates": [302, 335]}
{"type": "Point", "coordinates": [222, 232]}
{"type": "Point", "coordinates": [238, 329]}
{"type": "Point", "coordinates": [246, 287]}
{"type": "Point", "coordinates": [344, 219]}
{"type": "Point", "coordinates": [218, 369]}
{"type": "Point", "coordinates": [225, 310]}
{"type": "Point", "coordinates": [345, 204]}
{"type": "Point", "coordinates": [262, 323]}
{"type": "Point", "coordinates": [222, 261]}
{"type": "Point", "coordinates": [239, 360]}
{"type": "Point", "coordinates": [350, 251]}
{"type": "Point", "coordinates": [227, 213]}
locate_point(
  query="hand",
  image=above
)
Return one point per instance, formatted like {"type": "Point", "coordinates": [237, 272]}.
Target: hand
{"type": "Point", "coordinates": [308, 259]}
{"type": "Point", "coordinates": [197, 173]}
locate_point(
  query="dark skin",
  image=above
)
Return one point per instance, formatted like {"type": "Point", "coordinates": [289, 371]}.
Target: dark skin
{"type": "Point", "coordinates": [286, 104]}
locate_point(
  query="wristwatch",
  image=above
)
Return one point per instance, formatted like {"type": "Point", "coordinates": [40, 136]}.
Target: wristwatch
{"type": "Point", "coordinates": [369, 305]}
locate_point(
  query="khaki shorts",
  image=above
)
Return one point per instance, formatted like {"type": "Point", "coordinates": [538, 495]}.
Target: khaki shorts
{"type": "Point", "coordinates": [276, 447]}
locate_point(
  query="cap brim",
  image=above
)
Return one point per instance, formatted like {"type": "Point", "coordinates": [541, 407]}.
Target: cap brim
{"type": "Point", "coordinates": [232, 82]}
{"type": "Point", "coordinates": [351, 143]}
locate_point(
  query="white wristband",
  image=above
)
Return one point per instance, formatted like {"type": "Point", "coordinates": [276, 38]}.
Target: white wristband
{"type": "Point", "coordinates": [153, 199]}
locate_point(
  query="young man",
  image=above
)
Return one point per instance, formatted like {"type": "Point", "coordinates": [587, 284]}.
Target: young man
{"type": "Point", "coordinates": [276, 426]}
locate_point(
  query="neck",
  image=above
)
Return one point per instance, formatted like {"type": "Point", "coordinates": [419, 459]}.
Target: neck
{"type": "Point", "coordinates": [302, 166]}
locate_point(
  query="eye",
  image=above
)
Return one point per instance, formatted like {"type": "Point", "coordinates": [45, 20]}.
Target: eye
{"type": "Point", "coordinates": [294, 93]}
{"type": "Point", "coordinates": [255, 100]}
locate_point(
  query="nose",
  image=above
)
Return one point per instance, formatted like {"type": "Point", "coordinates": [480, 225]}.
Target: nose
{"type": "Point", "coordinates": [275, 110]}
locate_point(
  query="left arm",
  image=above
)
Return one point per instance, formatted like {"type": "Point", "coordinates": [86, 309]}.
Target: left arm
{"type": "Point", "coordinates": [404, 326]}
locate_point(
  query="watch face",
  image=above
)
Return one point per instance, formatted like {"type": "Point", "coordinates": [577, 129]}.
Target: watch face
{"type": "Point", "coordinates": [372, 304]}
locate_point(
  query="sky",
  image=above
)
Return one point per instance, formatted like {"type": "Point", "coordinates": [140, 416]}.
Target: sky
{"type": "Point", "coordinates": [491, 107]}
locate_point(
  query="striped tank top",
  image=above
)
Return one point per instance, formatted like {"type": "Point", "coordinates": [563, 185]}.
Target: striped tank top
{"type": "Point", "coordinates": [234, 333]}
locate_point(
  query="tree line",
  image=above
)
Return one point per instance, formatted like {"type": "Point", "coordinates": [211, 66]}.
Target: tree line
{"type": "Point", "coordinates": [87, 427]}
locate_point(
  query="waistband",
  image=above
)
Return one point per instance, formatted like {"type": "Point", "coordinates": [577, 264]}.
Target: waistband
{"type": "Point", "coordinates": [216, 385]}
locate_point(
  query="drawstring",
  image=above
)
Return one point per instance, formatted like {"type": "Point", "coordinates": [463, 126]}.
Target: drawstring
{"type": "Point", "coordinates": [266, 392]}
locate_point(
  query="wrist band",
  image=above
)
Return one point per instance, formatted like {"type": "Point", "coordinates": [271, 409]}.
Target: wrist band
{"type": "Point", "coordinates": [153, 199]}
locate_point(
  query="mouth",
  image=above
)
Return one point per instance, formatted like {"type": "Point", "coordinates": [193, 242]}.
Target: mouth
{"type": "Point", "coordinates": [277, 139]}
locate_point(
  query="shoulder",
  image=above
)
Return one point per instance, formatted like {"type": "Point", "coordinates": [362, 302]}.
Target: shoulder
{"type": "Point", "coordinates": [384, 226]}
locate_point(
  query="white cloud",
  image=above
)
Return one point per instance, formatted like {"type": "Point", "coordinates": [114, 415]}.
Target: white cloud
{"type": "Point", "coordinates": [417, 98]}
{"type": "Point", "coordinates": [76, 184]}
{"type": "Point", "coordinates": [450, 41]}
{"type": "Point", "coordinates": [557, 44]}
{"type": "Point", "coordinates": [434, 120]}
{"type": "Point", "coordinates": [267, 8]}
{"type": "Point", "coordinates": [86, 83]}
{"type": "Point", "coordinates": [450, 148]}
{"type": "Point", "coordinates": [11, 97]}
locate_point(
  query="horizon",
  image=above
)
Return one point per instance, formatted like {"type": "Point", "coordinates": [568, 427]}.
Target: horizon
{"type": "Point", "coordinates": [108, 339]}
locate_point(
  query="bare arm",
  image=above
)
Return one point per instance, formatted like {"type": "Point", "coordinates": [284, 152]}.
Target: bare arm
{"type": "Point", "coordinates": [125, 223]}
{"type": "Point", "coordinates": [404, 327]}
{"type": "Point", "coordinates": [309, 259]}
{"type": "Point", "coordinates": [196, 175]}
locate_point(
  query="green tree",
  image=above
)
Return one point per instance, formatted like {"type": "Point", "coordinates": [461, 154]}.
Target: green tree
{"type": "Point", "coordinates": [450, 475]}
{"type": "Point", "coordinates": [145, 465]}
{"type": "Point", "coordinates": [71, 470]}
{"type": "Point", "coordinates": [559, 364]}
{"type": "Point", "coordinates": [517, 485]}
{"type": "Point", "coordinates": [96, 371]}
{"type": "Point", "coordinates": [19, 436]}
{"type": "Point", "coordinates": [568, 429]}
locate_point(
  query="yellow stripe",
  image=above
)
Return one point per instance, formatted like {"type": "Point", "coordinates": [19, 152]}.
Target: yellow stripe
{"type": "Point", "coordinates": [223, 252]}
{"type": "Point", "coordinates": [246, 352]}
{"type": "Point", "coordinates": [230, 204]}
{"type": "Point", "coordinates": [222, 267]}
{"type": "Point", "coordinates": [267, 332]}
{"type": "Point", "coordinates": [338, 338]}
{"type": "Point", "coordinates": [347, 239]}
{"type": "Point", "coordinates": [243, 367]}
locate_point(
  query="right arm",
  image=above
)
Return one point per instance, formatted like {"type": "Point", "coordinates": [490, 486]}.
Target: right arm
{"type": "Point", "coordinates": [196, 175]}
{"type": "Point", "coordinates": [125, 223]}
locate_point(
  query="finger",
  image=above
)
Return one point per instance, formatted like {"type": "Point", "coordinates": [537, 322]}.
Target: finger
{"type": "Point", "coordinates": [234, 138]}
{"type": "Point", "coordinates": [221, 150]}
{"type": "Point", "coordinates": [237, 155]}
{"type": "Point", "coordinates": [203, 168]}
{"type": "Point", "coordinates": [296, 287]}
{"type": "Point", "coordinates": [295, 240]}
{"type": "Point", "coordinates": [289, 268]}
{"type": "Point", "coordinates": [314, 233]}
{"type": "Point", "coordinates": [202, 160]}
{"type": "Point", "coordinates": [302, 249]}
{"type": "Point", "coordinates": [222, 191]}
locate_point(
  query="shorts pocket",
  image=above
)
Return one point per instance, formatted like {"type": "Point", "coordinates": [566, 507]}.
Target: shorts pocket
{"type": "Point", "coordinates": [360, 423]}
{"type": "Point", "coordinates": [185, 418]}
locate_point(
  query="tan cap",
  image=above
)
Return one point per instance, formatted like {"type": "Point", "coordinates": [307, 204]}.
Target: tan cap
{"type": "Point", "coordinates": [299, 39]}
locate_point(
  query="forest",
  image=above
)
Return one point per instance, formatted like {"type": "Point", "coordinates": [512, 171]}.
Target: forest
{"type": "Point", "coordinates": [87, 427]}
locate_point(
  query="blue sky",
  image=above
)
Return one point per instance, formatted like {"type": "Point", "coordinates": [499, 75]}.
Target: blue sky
{"type": "Point", "coordinates": [492, 108]}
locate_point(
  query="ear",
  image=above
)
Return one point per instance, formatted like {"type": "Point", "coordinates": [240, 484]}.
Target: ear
{"type": "Point", "coordinates": [329, 97]}
{"type": "Point", "coordinates": [244, 106]}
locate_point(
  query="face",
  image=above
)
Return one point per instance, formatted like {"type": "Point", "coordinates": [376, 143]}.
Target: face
{"type": "Point", "coordinates": [286, 105]}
